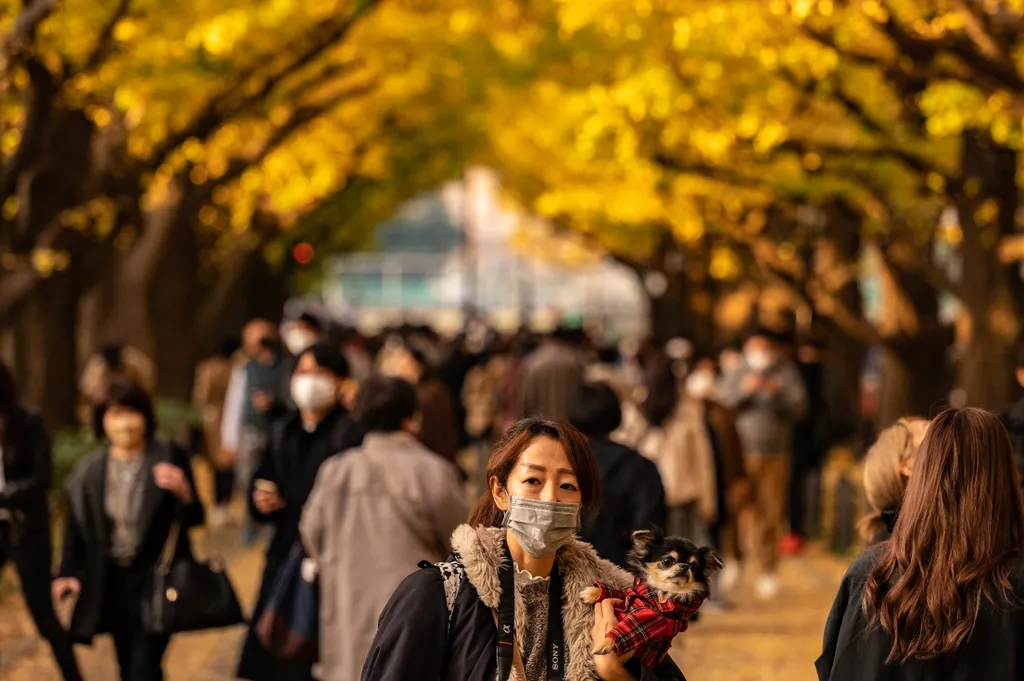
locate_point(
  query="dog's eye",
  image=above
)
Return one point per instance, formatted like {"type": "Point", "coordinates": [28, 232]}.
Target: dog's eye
{"type": "Point", "coordinates": [667, 561]}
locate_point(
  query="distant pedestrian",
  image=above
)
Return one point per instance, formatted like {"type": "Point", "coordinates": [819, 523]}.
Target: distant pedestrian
{"type": "Point", "coordinates": [887, 468]}
{"type": "Point", "coordinates": [768, 395]}
{"type": "Point", "coordinates": [302, 333]}
{"type": "Point", "coordinates": [438, 432]}
{"type": "Point", "coordinates": [257, 396]}
{"type": "Point", "coordinates": [373, 515]}
{"type": "Point", "coordinates": [632, 495]}
{"type": "Point", "coordinates": [298, 445]}
{"type": "Point", "coordinates": [26, 466]}
{"type": "Point", "coordinates": [550, 376]}
{"type": "Point", "coordinates": [732, 483]}
{"type": "Point", "coordinates": [111, 362]}
{"type": "Point", "coordinates": [679, 442]}
{"type": "Point", "coordinates": [213, 377]}
{"type": "Point", "coordinates": [123, 501]}
{"type": "Point", "coordinates": [943, 598]}
{"type": "Point", "coordinates": [811, 439]}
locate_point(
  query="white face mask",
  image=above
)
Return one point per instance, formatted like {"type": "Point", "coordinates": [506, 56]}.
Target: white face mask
{"type": "Point", "coordinates": [298, 340]}
{"type": "Point", "coordinates": [759, 360]}
{"type": "Point", "coordinates": [699, 384]}
{"type": "Point", "coordinates": [314, 393]}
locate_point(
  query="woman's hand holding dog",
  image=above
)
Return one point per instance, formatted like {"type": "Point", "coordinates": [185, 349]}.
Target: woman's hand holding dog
{"type": "Point", "coordinates": [608, 667]}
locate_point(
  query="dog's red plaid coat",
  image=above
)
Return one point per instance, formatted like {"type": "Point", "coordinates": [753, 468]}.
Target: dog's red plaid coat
{"type": "Point", "coordinates": [646, 624]}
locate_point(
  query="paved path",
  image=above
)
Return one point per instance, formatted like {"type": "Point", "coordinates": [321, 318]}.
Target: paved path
{"type": "Point", "coordinates": [754, 642]}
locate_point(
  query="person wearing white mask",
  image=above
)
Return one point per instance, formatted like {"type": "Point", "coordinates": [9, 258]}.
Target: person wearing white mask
{"type": "Point", "coordinates": [298, 445]}
{"type": "Point", "coordinates": [302, 333]}
{"type": "Point", "coordinates": [768, 395]}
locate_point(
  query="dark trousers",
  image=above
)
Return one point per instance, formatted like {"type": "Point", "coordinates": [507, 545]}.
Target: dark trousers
{"type": "Point", "coordinates": [139, 655]}
{"type": "Point", "coordinates": [31, 553]}
{"type": "Point", "coordinates": [803, 500]}
{"type": "Point", "coordinates": [223, 485]}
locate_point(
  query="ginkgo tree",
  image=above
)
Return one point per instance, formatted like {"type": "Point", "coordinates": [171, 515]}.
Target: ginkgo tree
{"type": "Point", "coordinates": [704, 115]}
{"type": "Point", "coordinates": [190, 137]}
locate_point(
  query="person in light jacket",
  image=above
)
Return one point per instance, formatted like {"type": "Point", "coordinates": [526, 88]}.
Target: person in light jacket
{"type": "Point", "coordinates": [373, 515]}
{"type": "Point", "coordinates": [679, 442]}
{"type": "Point", "coordinates": [768, 395]}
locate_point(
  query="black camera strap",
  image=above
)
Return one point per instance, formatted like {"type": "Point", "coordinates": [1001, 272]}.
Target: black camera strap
{"type": "Point", "coordinates": [555, 648]}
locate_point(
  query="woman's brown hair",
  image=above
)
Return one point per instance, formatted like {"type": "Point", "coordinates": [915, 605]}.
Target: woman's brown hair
{"type": "Point", "coordinates": [506, 453]}
{"type": "Point", "coordinates": [956, 542]}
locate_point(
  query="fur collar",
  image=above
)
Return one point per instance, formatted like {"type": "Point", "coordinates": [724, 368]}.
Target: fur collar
{"type": "Point", "coordinates": [481, 550]}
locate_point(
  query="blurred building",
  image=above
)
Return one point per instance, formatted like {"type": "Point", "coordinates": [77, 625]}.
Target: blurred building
{"type": "Point", "coordinates": [458, 250]}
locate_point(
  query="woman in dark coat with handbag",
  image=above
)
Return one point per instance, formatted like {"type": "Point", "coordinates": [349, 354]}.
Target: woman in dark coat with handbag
{"type": "Point", "coordinates": [124, 501]}
{"type": "Point", "coordinates": [298, 444]}
{"type": "Point", "coordinates": [25, 471]}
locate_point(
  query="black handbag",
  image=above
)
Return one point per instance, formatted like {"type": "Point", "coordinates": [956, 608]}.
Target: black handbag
{"type": "Point", "coordinates": [186, 595]}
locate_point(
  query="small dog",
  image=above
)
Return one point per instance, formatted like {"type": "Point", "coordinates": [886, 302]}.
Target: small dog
{"type": "Point", "coordinates": [671, 580]}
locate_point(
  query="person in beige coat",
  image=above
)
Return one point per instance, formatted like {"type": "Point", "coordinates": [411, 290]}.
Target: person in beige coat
{"type": "Point", "coordinates": [374, 514]}
{"type": "Point", "coordinates": [679, 443]}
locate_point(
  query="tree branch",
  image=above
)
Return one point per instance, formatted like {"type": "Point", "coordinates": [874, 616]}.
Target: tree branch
{"type": "Point", "coordinates": [33, 12]}
{"type": "Point", "coordinates": [228, 104]}
{"type": "Point", "coordinates": [40, 108]}
{"type": "Point", "coordinates": [104, 46]}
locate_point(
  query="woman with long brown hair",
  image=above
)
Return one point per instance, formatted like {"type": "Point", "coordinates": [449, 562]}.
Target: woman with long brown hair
{"type": "Point", "coordinates": [443, 621]}
{"type": "Point", "coordinates": [941, 598]}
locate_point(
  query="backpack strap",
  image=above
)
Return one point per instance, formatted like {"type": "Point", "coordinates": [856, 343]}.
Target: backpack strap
{"type": "Point", "coordinates": [452, 576]}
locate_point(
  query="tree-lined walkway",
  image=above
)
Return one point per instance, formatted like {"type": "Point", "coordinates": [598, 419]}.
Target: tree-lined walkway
{"type": "Point", "coordinates": [755, 642]}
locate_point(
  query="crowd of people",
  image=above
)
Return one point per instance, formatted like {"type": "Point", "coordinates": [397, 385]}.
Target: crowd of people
{"type": "Point", "coordinates": [360, 455]}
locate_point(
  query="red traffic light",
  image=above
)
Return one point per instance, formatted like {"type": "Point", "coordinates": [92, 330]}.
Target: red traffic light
{"type": "Point", "coordinates": [303, 253]}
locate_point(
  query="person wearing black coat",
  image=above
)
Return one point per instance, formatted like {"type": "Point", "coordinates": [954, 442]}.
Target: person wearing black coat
{"type": "Point", "coordinates": [942, 599]}
{"type": "Point", "coordinates": [26, 468]}
{"type": "Point", "coordinates": [498, 610]}
{"type": "Point", "coordinates": [124, 500]}
{"type": "Point", "coordinates": [810, 443]}
{"type": "Point", "coordinates": [632, 494]}
{"type": "Point", "coordinates": [298, 444]}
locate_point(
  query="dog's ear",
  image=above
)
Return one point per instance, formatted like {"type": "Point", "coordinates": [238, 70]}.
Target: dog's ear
{"type": "Point", "coordinates": [642, 539]}
{"type": "Point", "coordinates": [710, 560]}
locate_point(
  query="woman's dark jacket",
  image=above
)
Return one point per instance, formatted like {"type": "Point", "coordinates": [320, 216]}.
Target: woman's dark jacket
{"type": "Point", "coordinates": [415, 642]}
{"type": "Point", "coordinates": [87, 530]}
{"type": "Point", "coordinates": [632, 498]}
{"type": "Point", "coordinates": [291, 461]}
{"type": "Point", "coordinates": [28, 470]}
{"type": "Point", "coordinates": [854, 651]}
{"type": "Point", "coordinates": [1013, 419]}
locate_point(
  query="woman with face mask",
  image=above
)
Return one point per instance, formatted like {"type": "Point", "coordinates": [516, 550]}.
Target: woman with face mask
{"type": "Point", "coordinates": [506, 604]}
{"type": "Point", "coordinates": [298, 444]}
{"type": "Point", "coordinates": [123, 502]}
{"type": "Point", "coordinates": [25, 471]}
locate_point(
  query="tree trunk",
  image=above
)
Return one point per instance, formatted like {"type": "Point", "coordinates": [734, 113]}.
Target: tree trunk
{"type": "Point", "coordinates": [916, 373]}
{"type": "Point", "coordinates": [985, 369]}
{"type": "Point", "coordinates": [915, 381]}
{"type": "Point", "coordinates": [173, 303]}
{"type": "Point", "coordinates": [49, 379]}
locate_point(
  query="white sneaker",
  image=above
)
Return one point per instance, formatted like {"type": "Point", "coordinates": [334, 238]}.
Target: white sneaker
{"type": "Point", "coordinates": [729, 577]}
{"type": "Point", "coordinates": [767, 587]}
